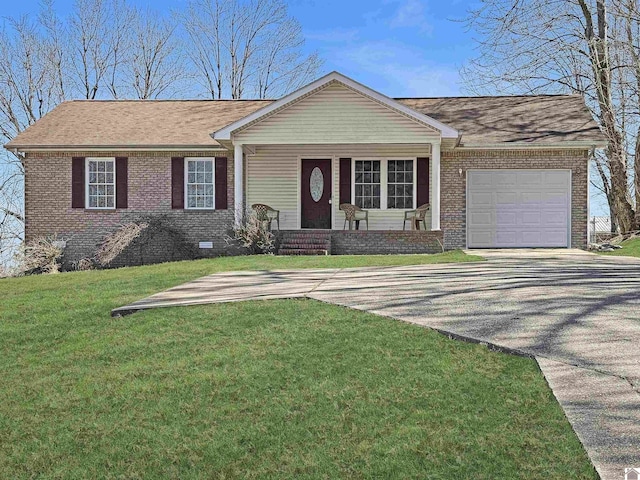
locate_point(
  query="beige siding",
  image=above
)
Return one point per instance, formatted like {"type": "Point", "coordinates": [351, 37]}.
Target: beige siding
{"type": "Point", "coordinates": [273, 178]}
{"type": "Point", "coordinates": [334, 115]}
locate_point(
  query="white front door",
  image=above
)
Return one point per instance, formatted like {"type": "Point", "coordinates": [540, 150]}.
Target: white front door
{"type": "Point", "coordinates": [518, 208]}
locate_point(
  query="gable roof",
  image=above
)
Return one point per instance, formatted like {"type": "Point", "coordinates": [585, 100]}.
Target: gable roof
{"type": "Point", "coordinates": [524, 119]}
{"type": "Point", "coordinates": [536, 121]}
{"type": "Point", "coordinates": [134, 123]}
{"type": "Point", "coordinates": [334, 77]}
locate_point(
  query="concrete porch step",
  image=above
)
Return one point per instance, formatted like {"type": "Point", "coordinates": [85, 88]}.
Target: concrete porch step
{"type": "Point", "coordinates": [302, 251]}
{"type": "Point", "coordinates": [305, 245]}
{"type": "Point", "coordinates": [305, 242]}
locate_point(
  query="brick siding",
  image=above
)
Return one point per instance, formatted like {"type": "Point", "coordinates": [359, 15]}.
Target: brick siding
{"type": "Point", "coordinates": [453, 171]}
{"type": "Point", "coordinates": [48, 202]}
{"type": "Point", "coordinates": [378, 242]}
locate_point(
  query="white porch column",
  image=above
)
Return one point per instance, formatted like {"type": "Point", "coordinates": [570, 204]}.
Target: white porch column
{"type": "Point", "coordinates": [238, 182]}
{"type": "Point", "coordinates": [435, 186]}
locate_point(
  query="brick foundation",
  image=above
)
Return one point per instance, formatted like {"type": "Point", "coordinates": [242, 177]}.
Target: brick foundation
{"type": "Point", "coordinates": [387, 242]}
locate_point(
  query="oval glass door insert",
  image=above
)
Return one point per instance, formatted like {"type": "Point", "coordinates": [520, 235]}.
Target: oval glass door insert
{"type": "Point", "coordinates": [316, 184]}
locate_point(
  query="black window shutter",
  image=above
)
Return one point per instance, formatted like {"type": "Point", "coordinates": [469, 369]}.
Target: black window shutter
{"type": "Point", "coordinates": [422, 171]}
{"type": "Point", "coordinates": [345, 180]}
{"type": "Point", "coordinates": [77, 182]}
{"type": "Point", "coordinates": [221, 183]}
{"type": "Point", "coordinates": [177, 182]}
{"type": "Point", "coordinates": [122, 182]}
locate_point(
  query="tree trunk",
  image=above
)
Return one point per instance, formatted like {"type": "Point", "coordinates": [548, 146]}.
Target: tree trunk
{"type": "Point", "coordinates": [636, 178]}
{"type": "Point", "coordinates": [599, 53]}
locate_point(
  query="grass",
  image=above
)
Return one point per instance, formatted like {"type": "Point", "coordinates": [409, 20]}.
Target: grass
{"type": "Point", "coordinates": [279, 389]}
{"type": "Point", "coordinates": [630, 248]}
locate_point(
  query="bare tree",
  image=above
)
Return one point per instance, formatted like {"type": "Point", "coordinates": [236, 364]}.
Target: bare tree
{"type": "Point", "coordinates": [155, 64]}
{"type": "Point", "coordinates": [551, 46]}
{"type": "Point", "coordinates": [247, 47]}
{"type": "Point", "coordinates": [28, 90]}
{"type": "Point", "coordinates": [98, 35]}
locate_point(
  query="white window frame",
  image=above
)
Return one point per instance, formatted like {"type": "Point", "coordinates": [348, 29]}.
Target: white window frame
{"type": "Point", "coordinates": [86, 182]}
{"type": "Point", "coordinates": [186, 181]}
{"type": "Point", "coordinates": [384, 181]}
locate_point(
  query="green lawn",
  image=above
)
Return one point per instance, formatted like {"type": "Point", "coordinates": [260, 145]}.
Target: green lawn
{"type": "Point", "coordinates": [630, 248]}
{"type": "Point", "coordinates": [279, 389]}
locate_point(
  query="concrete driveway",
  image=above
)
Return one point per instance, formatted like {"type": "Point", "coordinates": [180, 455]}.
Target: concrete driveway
{"type": "Point", "coordinates": [578, 314]}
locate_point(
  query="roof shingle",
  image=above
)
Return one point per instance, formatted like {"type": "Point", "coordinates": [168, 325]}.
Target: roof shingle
{"type": "Point", "coordinates": [535, 120]}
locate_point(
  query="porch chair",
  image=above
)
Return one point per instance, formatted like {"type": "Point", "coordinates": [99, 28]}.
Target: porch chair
{"type": "Point", "coordinates": [265, 213]}
{"type": "Point", "coordinates": [353, 213]}
{"type": "Point", "coordinates": [416, 217]}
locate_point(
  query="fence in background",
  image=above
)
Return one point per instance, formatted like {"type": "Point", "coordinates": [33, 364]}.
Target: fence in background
{"type": "Point", "coordinates": [599, 229]}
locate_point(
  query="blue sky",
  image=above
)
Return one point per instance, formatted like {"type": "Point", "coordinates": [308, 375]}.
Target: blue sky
{"type": "Point", "coordinates": [399, 47]}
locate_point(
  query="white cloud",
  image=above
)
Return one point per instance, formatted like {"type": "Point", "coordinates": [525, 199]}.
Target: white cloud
{"type": "Point", "coordinates": [410, 14]}
{"type": "Point", "coordinates": [397, 69]}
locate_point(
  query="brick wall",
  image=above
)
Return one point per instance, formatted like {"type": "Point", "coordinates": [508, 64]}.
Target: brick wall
{"type": "Point", "coordinates": [453, 185]}
{"type": "Point", "coordinates": [378, 242]}
{"type": "Point", "coordinates": [48, 202]}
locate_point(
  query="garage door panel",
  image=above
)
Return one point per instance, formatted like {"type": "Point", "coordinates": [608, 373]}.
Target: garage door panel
{"type": "Point", "coordinates": [504, 218]}
{"type": "Point", "coordinates": [555, 218]}
{"type": "Point", "coordinates": [482, 199]}
{"type": "Point", "coordinates": [531, 219]}
{"type": "Point", "coordinates": [530, 237]}
{"type": "Point", "coordinates": [518, 208]}
{"type": "Point", "coordinates": [529, 179]}
{"type": "Point", "coordinates": [555, 237]}
{"type": "Point", "coordinates": [506, 199]}
{"type": "Point", "coordinates": [482, 238]}
{"type": "Point", "coordinates": [506, 238]}
{"type": "Point", "coordinates": [530, 199]}
{"type": "Point", "coordinates": [554, 178]}
{"type": "Point", "coordinates": [481, 219]}
{"type": "Point", "coordinates": [504, 179]}
{"type": "Point", "coordinates": [555, 199]}
{"type": "Point", "coordinates": [482, 179]}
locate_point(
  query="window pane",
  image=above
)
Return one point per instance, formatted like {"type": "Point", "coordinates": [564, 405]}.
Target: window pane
{"type": "Point", "coordinates": [367, 183]}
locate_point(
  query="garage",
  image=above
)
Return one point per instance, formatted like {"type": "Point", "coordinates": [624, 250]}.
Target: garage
{"type": "Point", "coordinates": [518, 208]}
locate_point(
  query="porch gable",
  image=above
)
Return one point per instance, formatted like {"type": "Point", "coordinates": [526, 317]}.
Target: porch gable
{"type": "Point", "coordinates": [335, 110]}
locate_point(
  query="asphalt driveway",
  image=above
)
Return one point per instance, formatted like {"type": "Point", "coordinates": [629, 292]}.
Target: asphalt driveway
{"type": "Point", "coordinates": [578, 314]}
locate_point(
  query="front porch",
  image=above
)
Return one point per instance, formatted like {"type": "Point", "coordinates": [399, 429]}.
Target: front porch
{"type": "Point", "coordinates": [307, 184]}
{"type": "Point", "coordinates": [358, 242]}
{"type": "Point", "coordinates": [338, 142]}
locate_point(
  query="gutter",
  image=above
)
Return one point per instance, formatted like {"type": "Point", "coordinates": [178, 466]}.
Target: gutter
{"type": "Point", "coordinates": [532, 146]}
{"type": "Point", "coordinates": [119, 148]}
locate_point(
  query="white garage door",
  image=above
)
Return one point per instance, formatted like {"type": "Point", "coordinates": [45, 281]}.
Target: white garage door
{"type": "Point", "coordinates": [518, 208]}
